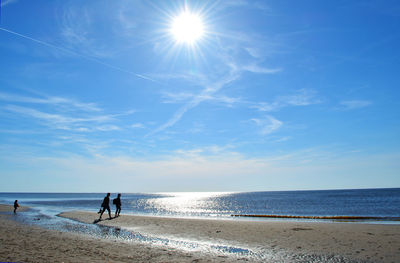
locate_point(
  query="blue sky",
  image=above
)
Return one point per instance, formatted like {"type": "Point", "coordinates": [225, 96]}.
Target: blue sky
{"type": "Point", "coordinates": [277, 95]}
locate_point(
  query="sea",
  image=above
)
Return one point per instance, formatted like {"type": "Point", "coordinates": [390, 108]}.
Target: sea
{"type": "Point", "coordinates": [374, 203]}
{"type": "Point", "coordinates": [375, 206]}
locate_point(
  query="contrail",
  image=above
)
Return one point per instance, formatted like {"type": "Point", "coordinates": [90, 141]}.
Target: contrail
{"type": "Point", "coordinates": [77, 54]}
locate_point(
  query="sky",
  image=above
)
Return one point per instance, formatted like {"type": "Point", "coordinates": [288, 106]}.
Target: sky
{"type": "Point", "coordinates": [99, 96]}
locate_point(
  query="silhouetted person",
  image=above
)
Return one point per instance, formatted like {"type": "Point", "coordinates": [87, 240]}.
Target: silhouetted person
{"type": "Point", "coordinates": [16, 205]}
{"type": "Point", "coordinates": [117, 203]}
{"type": "Point", "coordinates": [106, 205]}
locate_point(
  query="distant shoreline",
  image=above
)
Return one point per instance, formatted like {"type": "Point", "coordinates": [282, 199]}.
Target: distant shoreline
{"type": "Point", "coordinates": [349, 218]}
{"type": "Point", "coordinates": [244, 191]}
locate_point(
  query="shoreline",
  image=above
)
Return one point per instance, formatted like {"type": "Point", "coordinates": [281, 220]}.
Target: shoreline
{"type": "Point", "coordinates": [216, 240]}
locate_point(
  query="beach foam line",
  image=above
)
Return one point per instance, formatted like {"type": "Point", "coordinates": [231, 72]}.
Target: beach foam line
{"type": "Point", "coordinates": [325, 217]}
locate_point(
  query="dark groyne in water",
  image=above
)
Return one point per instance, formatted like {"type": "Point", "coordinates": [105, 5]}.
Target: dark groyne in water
{"type": "Point", "coordinates": [375, 218]}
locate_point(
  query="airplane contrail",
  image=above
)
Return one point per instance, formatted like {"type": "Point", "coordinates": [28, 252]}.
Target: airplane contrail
{"type": "Point", "coordinates": [77, 54]}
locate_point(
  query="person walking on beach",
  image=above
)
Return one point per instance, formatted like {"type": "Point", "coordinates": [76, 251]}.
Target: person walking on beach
{"type": "Point", "coordinates": [117, 203]}
{"type": "Point", "coordinates": [106, 205]}
{"type": "Point", "coordinates": [16, 205]}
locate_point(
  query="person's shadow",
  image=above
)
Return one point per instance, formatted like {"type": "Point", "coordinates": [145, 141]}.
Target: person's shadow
{"type": "Point", "coordinates": [98, 220]}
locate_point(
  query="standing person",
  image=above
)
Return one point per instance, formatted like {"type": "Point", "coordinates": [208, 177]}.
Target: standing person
{"type": "Point", "coordinates": [106, 205]}
{"type": "Point", "coordinates": [117, 203]}
{"type": "Point", "coordinates": [16, 205]}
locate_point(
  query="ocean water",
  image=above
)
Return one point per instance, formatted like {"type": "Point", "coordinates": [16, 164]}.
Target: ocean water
{"type": "Point", "coordinates": [360, 202]}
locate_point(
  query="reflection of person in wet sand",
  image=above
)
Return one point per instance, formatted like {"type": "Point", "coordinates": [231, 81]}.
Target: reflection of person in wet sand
{"type": "Point", "coordinates": [117, 203]}
{"type": "Point", "coordinates": [16, 205]}
{"type": "Point", "coordinates": [106, 205]}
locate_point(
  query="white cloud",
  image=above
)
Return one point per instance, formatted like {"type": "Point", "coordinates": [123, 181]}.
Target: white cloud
{"type": "Point", "coordinates": [254, 52]}
{"type": "Point", "coordinates": [283, 139]}
{"type": "Point", "coordinates": [177, 97]}
{"type": "Point", "coordinates": [265, 106]}
{"type": "Point", "coordinates": [54, 118]}
{"type": "Point", "coordinates": [207, 93]}
{"type": "Point", "coordinates": [268, 125]}
{"type": "Point", "coordinates": [302, 97]}
{"type": "Point", "coordinates": [65, 122]}
{"type": "Point", "coordinates": [184, 97]}
{"type": "Point", "coordinates": [63, 114]}
{"type": "Point", "coordinates": [70, 104]}
{"type": "Point", "coordinates": [210, 90]}
{"type": "Point", "coordinates": [355, 104]}
{"type": "Point", "coordinates": [260, 70]}
{"type": "Point", "coordinates": [138, 126]}
{"type": "Point", "coordinates": [108, 128]}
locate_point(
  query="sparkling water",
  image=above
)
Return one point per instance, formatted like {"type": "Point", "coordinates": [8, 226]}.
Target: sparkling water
{"type": "Point", "coordinates": [360, 202]}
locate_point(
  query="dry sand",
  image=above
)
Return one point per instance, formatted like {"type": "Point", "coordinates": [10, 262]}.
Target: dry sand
{"type": "Point", "coordinates": [277, 241]}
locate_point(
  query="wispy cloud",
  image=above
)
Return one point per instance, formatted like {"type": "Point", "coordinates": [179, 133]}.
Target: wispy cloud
{"type": "Point", "coordinates": [138, 126]}
{"type": "Point", "coordinates": [268, 125]}
{"type": "Point", "coordinates": [77, 29]}
{"type": "Point", "coordinates": [183, 97]}
{"type": "Point", "coordinates": [302, 97]}
{"type": "Point", "coordinates": [51, 100]}
{"type": "Point", "coordinates": [283, 139]}
{"type": "Point", "coordinates": [177, 97]}
{"type": "Point", "coordinates": [261, 70]}
{"type": "Point", "coordinates": [206, 151]}
{"type": "Point", "coordinates": [61, 113]}
{"type": "Point", "coordinates": [354, 104]}
{"type": "Point", "coordinates": [77, 53]}
{"type": "Point", "coordinates": [194, 101]}
{"type": "Point", "coordinates": [210, 90]}
{"type": "Point", "coordinates": [108, 128]}
{"type": "Point", "coordinates": [59, 121]}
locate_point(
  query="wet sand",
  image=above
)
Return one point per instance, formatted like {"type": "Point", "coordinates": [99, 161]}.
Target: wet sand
{"type": "Point", "coordinates": [277, 241]}
{"type": "Point", "coordinates": [10, 208]}
{"type": "Point", "coordinates": [361, 242]}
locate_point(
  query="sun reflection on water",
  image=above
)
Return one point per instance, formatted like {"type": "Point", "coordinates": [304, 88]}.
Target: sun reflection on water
{"type": "Point", "coordinates": [188, 203]}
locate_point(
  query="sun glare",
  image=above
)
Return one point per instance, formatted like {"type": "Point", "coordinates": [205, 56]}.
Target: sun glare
{"type": "Point", "coordinates": [187, 27]}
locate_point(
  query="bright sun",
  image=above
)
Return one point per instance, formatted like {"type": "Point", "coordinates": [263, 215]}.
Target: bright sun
{"type": "Point", "coordinates": [187, 27]}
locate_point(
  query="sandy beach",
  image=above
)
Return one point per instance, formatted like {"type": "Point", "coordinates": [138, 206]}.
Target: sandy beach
{"type": "Point", "coordinates": [268, 241]}
{"type": "Point", "coordinates": [377, 243]}
{"type": "Point", "coordinates": [23, 243]}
